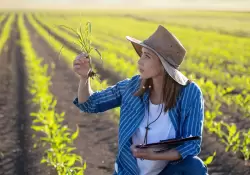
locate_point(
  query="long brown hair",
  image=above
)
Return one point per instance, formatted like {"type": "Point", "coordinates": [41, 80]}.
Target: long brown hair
{"type": "Point", "coordinates": [171, 90]}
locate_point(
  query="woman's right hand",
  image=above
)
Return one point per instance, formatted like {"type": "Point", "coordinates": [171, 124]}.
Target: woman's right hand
{"type": "Point", "coordinates": [81, 65]}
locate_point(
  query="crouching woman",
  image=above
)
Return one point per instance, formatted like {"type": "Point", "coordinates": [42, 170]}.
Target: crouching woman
{"type": "Point", "coordinates": [159, 103]}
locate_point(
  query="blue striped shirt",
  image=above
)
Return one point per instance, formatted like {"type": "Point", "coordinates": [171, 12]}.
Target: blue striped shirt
{"type": "Point", "coordinates": [187, 117]}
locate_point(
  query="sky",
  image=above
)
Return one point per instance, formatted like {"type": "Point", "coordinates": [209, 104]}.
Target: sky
{"type": "Point", "coordinates": [124, 3]}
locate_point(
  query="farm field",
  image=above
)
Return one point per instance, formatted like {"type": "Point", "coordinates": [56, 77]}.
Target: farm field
{"type": "Point", "coordinates": [38, 86]}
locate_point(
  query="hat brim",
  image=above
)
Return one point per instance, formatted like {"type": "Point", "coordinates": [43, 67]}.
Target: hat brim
{"type": "Point", "coordinates": [173, 72]}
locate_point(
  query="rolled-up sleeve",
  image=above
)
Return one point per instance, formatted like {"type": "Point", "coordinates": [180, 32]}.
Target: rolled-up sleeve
{"type": "Point", "coordinates": [193, 125]}
{"type": "Point", "coordinates": [103, 100]}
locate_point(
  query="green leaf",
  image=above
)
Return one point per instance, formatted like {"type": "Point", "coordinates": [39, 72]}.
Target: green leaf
{"type": "Point", "coordinates": [71, 161]}
{"type": "Point", "coordinates": [38, 128]}
{"type": "Point", "coordinates": [74, 135]}
{"type": "Point", "coordinates": [43, 161]}
{"type": "Point", "coordinates": [80, 172]}
{"type": "Point", "coordinates": [209, 159]}
{"type": "Point", "coordinates": [34, 114]}
{"type": "Point", "coordinates": [70, 149]}
{"type": "Point", "coordinates": [99, 53]}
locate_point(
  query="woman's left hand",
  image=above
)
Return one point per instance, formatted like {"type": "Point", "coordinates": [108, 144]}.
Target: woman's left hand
{"type": "Point", "coordinates": [145, 153]}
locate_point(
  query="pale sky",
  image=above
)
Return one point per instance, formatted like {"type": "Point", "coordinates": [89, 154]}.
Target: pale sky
{"type": "Point", "coordinates": [124, 3]}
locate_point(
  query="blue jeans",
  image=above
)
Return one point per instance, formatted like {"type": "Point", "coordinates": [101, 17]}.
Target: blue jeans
{"type": "Point", "coordinates": [191, 165]}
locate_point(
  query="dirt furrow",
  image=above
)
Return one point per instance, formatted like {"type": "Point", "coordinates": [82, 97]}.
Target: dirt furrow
{"type": "Point", "coordinates": [9, 146]}
{"type": "Point", "coordinates": [209, 145]}
{"type": "Point", "coordinates": [18, 62]}
{"type": "Point", "coordinates": [12, 108]}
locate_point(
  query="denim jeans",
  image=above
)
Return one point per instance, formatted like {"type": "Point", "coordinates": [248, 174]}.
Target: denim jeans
{"type": "Point", "coordinates": [191, 165]}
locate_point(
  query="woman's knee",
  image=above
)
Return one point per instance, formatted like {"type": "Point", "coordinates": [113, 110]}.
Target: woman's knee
{"type": "Point", "coordinates": [194, 165]}
{"type": "Point", "coordinates": [191, 165]}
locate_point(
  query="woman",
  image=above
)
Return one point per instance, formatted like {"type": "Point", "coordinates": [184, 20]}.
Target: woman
{"type": "Point", "coordinates": [158, 104]}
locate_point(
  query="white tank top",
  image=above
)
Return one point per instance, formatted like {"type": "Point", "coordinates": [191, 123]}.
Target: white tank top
{"type": "Point", "coordinates": [161, 129]}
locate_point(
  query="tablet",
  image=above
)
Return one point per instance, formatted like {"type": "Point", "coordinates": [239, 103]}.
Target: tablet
{"type": "Point", "coordinates": [164, 145]}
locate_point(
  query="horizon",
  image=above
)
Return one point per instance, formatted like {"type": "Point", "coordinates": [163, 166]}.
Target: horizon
{"type": "Point", "coordinates": [126, 4]}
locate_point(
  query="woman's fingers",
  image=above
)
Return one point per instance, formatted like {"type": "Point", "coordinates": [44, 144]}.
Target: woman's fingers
{"type": "Point", "coordinates": [137, 152]}
{"type": "Point", "coordinates": [81, 64]}
{"type": "Point", "coordinates": [84, 60]}
{"type": "Point", "coordinates": [77, 66]}
{"type": "Point", "coordinates": [77, 61]}
{"type": "Point", "coordinates": [81, 61]}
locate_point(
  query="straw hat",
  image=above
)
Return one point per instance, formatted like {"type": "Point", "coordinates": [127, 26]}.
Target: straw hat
{"type": "Point", "coordinates": [169, 50]}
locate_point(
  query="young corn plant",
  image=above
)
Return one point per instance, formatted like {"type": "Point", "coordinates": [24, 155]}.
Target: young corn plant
{"type": "Point", "coordinates": [84, 43]}
{"type": "Point", "coordinates": [245, 147]}
{"type": "Point", "coordinates": [232, 138]}
{"type": "Point", "coordinates": [243, 100]}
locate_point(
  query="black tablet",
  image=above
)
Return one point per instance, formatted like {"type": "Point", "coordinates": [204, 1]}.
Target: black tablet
{"type": "Point", "coordinates": [164, 145]}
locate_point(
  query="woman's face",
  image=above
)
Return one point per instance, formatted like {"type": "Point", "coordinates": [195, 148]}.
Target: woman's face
{"type": "Point", "coordinates": [149, 64]}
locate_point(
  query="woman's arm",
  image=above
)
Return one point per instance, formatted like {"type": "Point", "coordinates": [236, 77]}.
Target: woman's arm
{"type": "Point", "coordinates": [193, 123]}
{"type": "Point", "coordinates": [168, 155]}
{"type": "Point", "coordinates": [100, 101]}
{"type": "Point", "coordinates": [84, 89]}
{"type": "Point", "coordinates": [149, 154]}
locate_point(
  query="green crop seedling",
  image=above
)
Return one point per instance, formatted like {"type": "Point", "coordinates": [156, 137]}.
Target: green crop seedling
{"type": "Point", "coordinates": [85, 43]}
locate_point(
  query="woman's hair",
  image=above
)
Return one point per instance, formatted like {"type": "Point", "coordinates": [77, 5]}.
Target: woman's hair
{"type": "Point", "coordinates": [171, 90]}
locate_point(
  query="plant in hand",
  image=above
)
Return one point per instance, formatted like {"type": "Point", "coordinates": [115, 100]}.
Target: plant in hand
{"type": "Point", "coordinates": [85, 43]}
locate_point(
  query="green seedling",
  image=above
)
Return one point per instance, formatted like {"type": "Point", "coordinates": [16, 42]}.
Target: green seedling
{"type": "Point", "coordinates": [85, 44]}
